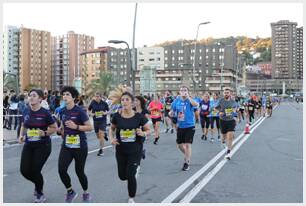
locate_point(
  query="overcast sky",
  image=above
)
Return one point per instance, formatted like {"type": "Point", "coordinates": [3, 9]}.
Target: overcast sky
{"type": "Point", "coordinates": [156, 22]}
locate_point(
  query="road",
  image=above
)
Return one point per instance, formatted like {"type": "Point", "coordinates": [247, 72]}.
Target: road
{"type": "Point", "coordinates": [266, 164]}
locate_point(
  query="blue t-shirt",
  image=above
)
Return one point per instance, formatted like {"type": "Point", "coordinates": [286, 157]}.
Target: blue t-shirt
{"type": "Point", "coordinates": [33, 121]}
{"type": "Point", "coordinates": [204, 108]}
{"type": "Point", "coordinates": [74, 138]}
{"type": "Point", "coordinates": [184, 111]}
{"type": "Point", "coordinates": [97, 109]}
{"type": "Point", "coordinates": [213, 104]}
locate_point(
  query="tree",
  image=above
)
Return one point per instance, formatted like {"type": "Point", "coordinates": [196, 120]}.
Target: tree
{"type": "Point", "coordinates": [9, 82]}
{"type": "Point", "coordinates": [102, 84]}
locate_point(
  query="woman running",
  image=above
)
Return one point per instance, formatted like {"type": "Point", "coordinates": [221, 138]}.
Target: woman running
{"type": "Point", "coordinates": [36, 127]}
{"type": "Point", "coordinates": [128, 132]}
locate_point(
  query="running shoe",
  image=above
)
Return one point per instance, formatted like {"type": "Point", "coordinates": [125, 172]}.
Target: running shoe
{"type": "Point", "coordinates": [131, 200]}
{"type": "Point", "coordinates": [185, 167]}
{"type": "Point", "coordinates": [203, 137]}
{"type": "Point", "coordinates": [105, 137]}
{"type": "Point", "coordinates": [40, 198]}
{"type": "Point", "coordinates": [227, 156]}
{"type": "Point", "coordinates": [143, 155]}
{"type": "Point", "coordinates": [100, 153]}
{"type": "Point", "coordinates": [172, 130]}
{"type": "Point", "coordinates": [86, 197]}
{"type": "Point", "coordinates": [70, 196]}
{"type": "Point", "coordinates": [212, 140]}
{"type": "Point", "coordinates": [167, 130]}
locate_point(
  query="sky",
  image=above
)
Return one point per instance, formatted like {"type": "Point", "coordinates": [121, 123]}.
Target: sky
{"type": "Point", "coordinates": [156, 22]}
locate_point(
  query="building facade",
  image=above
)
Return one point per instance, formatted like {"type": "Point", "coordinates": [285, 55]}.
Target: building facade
{"type": "Point", "coordinates": [150, 56]}
{"type": "Point", "coordinates": [284, 50]}
{"type": "Point", "coordinates": [299, 55]}
{"type": "Point", "coordinates": [95, 63]}
{"type": "Point", "coordinates": [66, 58]}
{"type": "Point", "coordinates": [11, 50]}
{"type": "Point", "coordinates": [35, 59]}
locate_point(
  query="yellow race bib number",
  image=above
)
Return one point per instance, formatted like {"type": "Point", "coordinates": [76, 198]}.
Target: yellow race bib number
{"type": "Point", "coordinates": [168, 107]}
{"type": "Point", "coordinates": [73, 141]}
{"type": "Point", "coordinates": [99, 114]}
{"type": "Point", "coordinates": [33, 135]}
{"type": "Point", "coordinates": [228, 112]}
{"type": "Point", "coordinates": [128, 135]}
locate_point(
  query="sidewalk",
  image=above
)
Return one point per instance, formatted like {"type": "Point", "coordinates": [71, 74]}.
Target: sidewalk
{"type": "Point", "coordinates": [9, 136]}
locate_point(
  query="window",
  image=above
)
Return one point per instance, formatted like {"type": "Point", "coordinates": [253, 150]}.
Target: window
{"type": "Point", "coordinates": [151, 59]}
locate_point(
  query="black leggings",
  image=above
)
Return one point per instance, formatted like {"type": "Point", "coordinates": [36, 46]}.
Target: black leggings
{"type": "Point", "coordinates": [128, 156]}
{"type": "Point", "coordinates": [251, 115]}
{"type": "Point", "coordinates": [33, 158]}
{"type": "Point", "coordinates": [65, 158]}
{"type": "Point", "coordinates": [212, 120]}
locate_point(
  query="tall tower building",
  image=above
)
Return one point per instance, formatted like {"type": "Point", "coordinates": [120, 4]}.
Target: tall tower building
{"type": "Point", "coordinates": [299, 55]}
{"type": "Point", "coordinates": [11, 50]}
{"type": "Point", "coordinates": [35, 58]}
{"type": "Point", "coordinates": [284, 50]}
{"type": "Point", "coordinates": [66, 60]}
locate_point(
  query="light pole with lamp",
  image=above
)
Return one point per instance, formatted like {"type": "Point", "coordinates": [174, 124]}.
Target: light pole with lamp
{"type": "Point", "coordinates": [129, 70]}
{"type": "Point", "coordinates": [194, 56]}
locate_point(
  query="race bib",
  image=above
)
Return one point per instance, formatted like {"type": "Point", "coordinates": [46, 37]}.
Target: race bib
{"type": "Point", "coordinates": [128, 135]}
{"type": "Point", "coordinates": [168, 107]}
{"type": "Point", "coordinates": [33, 135]}
{"type": "Point", "coordinates": [228, 112]}
{"type": "Point", "coordinates": [214, 113]}
{"type": "Point", "coordinates": [181, 116]}
{"type": "Point", "coordinates": [98, 114]}
{"type": "Point", "coordinates": [251, 108]}
{"type": "Point", "coordinates": [73, 141]}
{"type": "Point", "coordinates": [155, 113]}
{"type": "Point", "coordinates": [204, 107]}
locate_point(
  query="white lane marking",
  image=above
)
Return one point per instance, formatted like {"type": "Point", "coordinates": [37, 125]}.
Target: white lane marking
{"type": "Point", "coordinates": [196, 189]}
{"type": "Point", "coordinates": [4, 175]}
{"type": "Point", "coordinates": [189, 181]}
{"type": "Point", "coordinates": [99, 148]}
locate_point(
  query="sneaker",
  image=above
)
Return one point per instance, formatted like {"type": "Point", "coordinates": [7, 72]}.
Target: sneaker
{"type": "Point", "coordinates": [219, 137]}
{"type": "Point", "coordinates": [167, 130]}
{"type": "Point", "coordinates": [100, 153]}
{"type": "Point", "coordinates": [131, 200]}
{"type": "Point", "coordinates": [86, 197]}
{"type": "Point", "coordinates": [203, 137]}
{"type": "Point", "coordinates": [40, 198]}
{"type": "Point", "coordinates": [185, 167]}
{"type": "Point", "coordinates": [227, 156]}
{"type": "Point", "coordinates": [212, 139]}
{"type": "Point", "coordinates": [172, 131]}
{"type": "Point", "coordinates": [70, 196]}
{"type": "Point", "coordinates": [105, 137]}
{"type": "Point", "coordinates": [143, 155]}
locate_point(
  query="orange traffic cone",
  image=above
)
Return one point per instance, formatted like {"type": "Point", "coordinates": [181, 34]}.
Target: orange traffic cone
{"type": "Point", "coordinates": [247, 129]}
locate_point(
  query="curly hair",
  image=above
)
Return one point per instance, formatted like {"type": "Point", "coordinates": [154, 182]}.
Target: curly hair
{"type": "Point", "coordinates": [116, 94]}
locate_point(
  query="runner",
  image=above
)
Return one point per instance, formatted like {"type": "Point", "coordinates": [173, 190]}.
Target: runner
{"type": "Point", "coordinates": [99, 110]}
{"type": "Point", "coordinates": [227, 108]}
{"type": "Point", "coordinates": [251, 109]}
{"type": "Point", "coordinates": [168, 101]}
{"type": "Point", "coordinates": [140, 107]}
{"type": "Point", "coordinates": [128, 132]}
{"type": "Point", "coordinates": [269, 106]}
{"type": "Point", "coordinates": [214, 115]}
{"type": "Point", "coordinates": [183, 109]}
{"type": "Point", "coordinates": [204, 112]}
{"type": "Point", "coordinates": [264, 103]}
{"type": "Point", "coordinates": [155, 107]}
{"type": "Point", "coordinates": [241, 109]}
{"type": "Point", "coordinates": [36, 127]}
{"type": "Point", "coordinates": [74, 124]}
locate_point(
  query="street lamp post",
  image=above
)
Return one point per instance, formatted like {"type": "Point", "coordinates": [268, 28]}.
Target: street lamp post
{"type": "Point", "coordinates": [129, 70]}
{"type": "Point", "coordinates": [194, 56]}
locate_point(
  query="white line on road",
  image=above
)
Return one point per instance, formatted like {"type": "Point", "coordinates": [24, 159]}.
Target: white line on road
{"type": "Point", "coordinates": [99, 148]}
{"type": "Point", "coordinates": [190, 181]}
{"type": "Point", "coordinates": [4, 175]}
{"type": "Point", "coordinates": [196, 189]}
